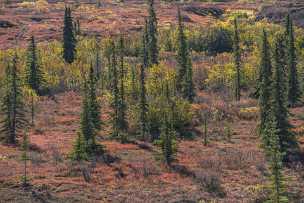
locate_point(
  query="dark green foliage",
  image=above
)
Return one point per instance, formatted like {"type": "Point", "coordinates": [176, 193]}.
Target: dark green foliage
{"type": "Point", "coordinates": [287, 140]}
{"type": "Point", "coordinates": [145, 46]}
{"type": "Point", "coordinates": [216, 40]}
{"type": "Point", "coordinates": [69, 40]}
{"type": "Point", "coordinates": [167, 141]}
{"type": "Point", "coordinates": [34, 75]}
{"type": "Point", "coordinates": [25, 158]}
{"type": "Point", "coordinates": [93, 101]}
{"type": "Point", "coordinates": [98, 63]}
{"type": "Point", "coordinates": [115, 92]}
{"type": "Point", "coordinates": [152, 45]}
{"type": "Point", "coordinates": [184, 80]}
{"type": "Point", "coordinates": [265, 85]}
{"type": "Point", "coordinates": [277, 182]}
{"type": "Point", "coordinates": [87, 128]}
{"type": "Point", "coordinates": [79, 150]}
{"type": "Point", "coordinates": [12, 106]}
{"type": "Point", "coordinates": [294, 92]}
{"type": "Point", "coordinates": [90, 123]}
{"type": "Point", "coordinates": [143, 105]}
{"type": "Point", "coordinates": [122, 107]}
{"type": "Point", "coordinates": [167, 136]}
{"type": "Point", "coordinates": [189, 91]}
{"type": "Point", "coordinates": [237, 61]}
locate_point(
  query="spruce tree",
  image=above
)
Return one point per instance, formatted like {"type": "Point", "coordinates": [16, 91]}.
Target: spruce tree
{"type": "Point", "coordinates": [145, 46]}
{"type": "Point", "coordinates": [189, 92]}
{"type": "Point", "coordinates": [79, 150]}
{"type": "Point", "coordinates": [34, 75]}
{"type": "Point", "coordinates": [184, 79]}
{"type": "Point", "coordinates": [287, 139]}
{"type": "Point", "coordinates": [167, 136]}
{"type": "Point", "coordinates": [294, 91]}
{"type": "Point", "coordinates": [277, 181]}
{"type": "Point", "coordinates": [265, 86]}
{"type": "Point", "coordinates": [237, 61]}
{"type": "Point", "coordinates": [115, 92]}
{"type": "Point", "coordinates": [87, 128]}
{"type": "Point", "coordinates": [93, 101]}
{"type": "Point", "coordinates": [69, 40]}
{"type": "Point", "coordinates": [152, 35]}
{"type": "Point", "coordinates": [12, 106]}
{"type": "Point", "coordinates": [98, 65]}
{"type": "Point", "coordinates": [143, 105]}
{"type": "Point", "coordinates": [123, 124]}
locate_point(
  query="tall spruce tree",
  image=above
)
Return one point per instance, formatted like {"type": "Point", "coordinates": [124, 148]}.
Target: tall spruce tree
{"type": "Point", "coordinates": [294, 91]}
{"type": "Point", "coordinates": [277, 181]}
{"type": "Point", "coordinates": [34, 75]}
{"type": "Point", "coordinates": [152, 35]}
{"type": "Point", "coordinates": [287, 139]}
{"type": "Point", "coordinates": [115, 91]}
{"type": "Point", "coordinates": [87, 128]}
{"type": "Point", "coordinates": [167, 136]}
{"type": "Point", "coordinates": [142, 99]}
{"type": "Point", "coordinates": [12, 106]}
{"type": "Point", "coordinates": [265, 86]}
{"type": "Point", "coordinates": [167, 139]}
{"type": "Point", "coordinates": [69, 40]}
{"type": "Point", "coordinates": [184, 79]}
{"type": "Point", "coordinates": [237, 61]}
{"type": "Point", "coordinates": [93, 101]}
{"type": "Point", "coordinates": [123, 124]}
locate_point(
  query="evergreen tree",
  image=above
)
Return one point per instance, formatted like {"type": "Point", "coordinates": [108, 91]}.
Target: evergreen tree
{"type": "Point", "coordinates": [145, 46]}
{"type": "Point", "coordinates": [12, 106]}
{"type": "Point", "coordinates": [87, 128]}
{"type": "Point", "coordinates": [277, 185]}
{"type": "Point", "coordinates": [237, 61]}
{"type": "Point", "coordinates": [69, 40]}
{"type": "Point", "coordinates": [123, 124]}
{"type": "Point", "coordinates": [152, 35]}
{"type": "Point", "coordinates": [287, 25]}
{"type": "Point", "coordinates": [265, 86]}
{"type": "Point", "coordinates": [167, 131]}
{"type": "Point", "coordinates": [25, 158]}
{"type": "Point", "coordinates": [294, 92]}
{"type": "Point", "coordinates": [115, 92]}
{"type": "Point", "coordinates": [189, 92]}
{"type": "Point", "coordinates": [185, 84]}
{"type": "Point", "coordinates": [79, 150]}
{"type": "Point", "coordinates": [34, 75]}
{"type": "Point", "coordinates": [287, 139]}
{"type": "Point", "coordinates": [143, 100]}
{"type": "Point", "coordinates": [93, 101]}
{"type": "Point", "coordinates": [167, 145]}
